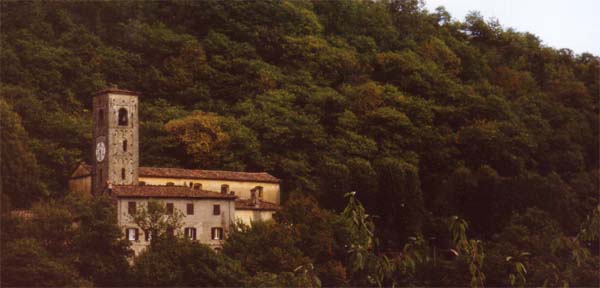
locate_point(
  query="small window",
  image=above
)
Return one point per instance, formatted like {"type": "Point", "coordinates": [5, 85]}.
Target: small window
{"type": "Point", "coordinates": [123, 173]}
{"type": "Point", "coordinates": [170, 231]}
{"type": "Point", "coordinates": [170, 208]}
{"type": "Point", "coordinates": [216, 233]}
{"type": "Point", "coordinates": [100, 117]}
{"type": "Point", "coordinates": [124, 145]}
{"type": "Point", "coordinates": [132, 234]}
{"type": "Point", "coordinates": [190, 209]}
{"type": "Point", "coordinates": [216, 209]}
{"type": "Point", "coordinates": [131, 208]}
{"type": "Point", "coordinates": [190, 233]}
{"type": "Point", "coordinates": [142, 183]}
{"type": "Point", "coordinates": [260, 192]}
{"type": "Point", "coordinates": [224, 188]}
{"type": "Point", "coordinates": [197, 186]}
{"type": "Point", "coordinates": [191, 184]}
{"type": "Point", "coordinates": [148, 235]}
{"type": "Point", "coordinates": [123, 121]}
{"type": "Point", "coordinates": [170, 184]}
{"type": "Point", "coordinates": [100, 175]}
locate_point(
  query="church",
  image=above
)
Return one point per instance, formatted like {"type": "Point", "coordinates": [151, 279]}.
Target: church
{"type": "Point", "coordinates": [210, 200]}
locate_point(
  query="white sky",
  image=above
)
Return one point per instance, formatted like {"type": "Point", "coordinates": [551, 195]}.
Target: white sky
{"type": "Point", "coordinates": [573, 24]}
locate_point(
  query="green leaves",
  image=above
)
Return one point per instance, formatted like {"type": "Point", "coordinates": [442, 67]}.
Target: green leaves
{"type": "Point", "coordinates": [471, 249]}
{"type": "Point", "coordinates": [152, 216]}
{"type": "Point", "coordinates": [425, 116]}
{"type": "Point", "coordinates": [182, 262]}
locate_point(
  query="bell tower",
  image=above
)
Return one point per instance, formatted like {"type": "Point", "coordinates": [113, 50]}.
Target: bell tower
{"type": "Point", "coordinates": [116, 138]}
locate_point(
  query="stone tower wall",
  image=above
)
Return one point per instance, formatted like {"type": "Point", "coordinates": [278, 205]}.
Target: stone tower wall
{"type": "Point", "coordinates": [108, 130]}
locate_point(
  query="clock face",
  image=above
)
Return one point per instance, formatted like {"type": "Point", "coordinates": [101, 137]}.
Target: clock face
{"type": "Point", "coordinates": [100, 151]}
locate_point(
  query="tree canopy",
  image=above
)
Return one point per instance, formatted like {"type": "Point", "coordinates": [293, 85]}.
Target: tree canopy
{"type": "Point", "coordinates": [424, 115]}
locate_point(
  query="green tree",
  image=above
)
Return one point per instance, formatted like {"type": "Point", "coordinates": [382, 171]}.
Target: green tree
{"type": "Point", "coordinates": [101, 249]}
{"type": "Point", "coordinates": [25, 262]}
{"type": "Point", "coordinates": [181, 262]}
{"type": "Point", "coordinates": [321, 236]}
{"type": "Point", "coordinates": [20, 171]}
{"type": "Point", "coordinates": [265, 247]}
{"type": "Point", "coordinates": [153, 218]}
{"type": "Point", "coordinates": [399, 201]}
{"type": "Point", "coordinates": [214, 141]}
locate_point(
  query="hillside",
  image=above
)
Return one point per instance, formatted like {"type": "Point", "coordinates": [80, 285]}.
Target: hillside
{"type": "Point", "coordinates": [423, 115]}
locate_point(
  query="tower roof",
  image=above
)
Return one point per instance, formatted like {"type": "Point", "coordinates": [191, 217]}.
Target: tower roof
{"type": "Point", "coordinates": [116, 90]}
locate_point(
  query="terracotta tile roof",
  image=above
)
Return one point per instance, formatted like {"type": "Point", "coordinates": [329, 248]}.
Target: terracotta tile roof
{"type": "Point", "coordinates": [22, 214]}
{"type": "Point", "coordinates": [166, 192]}
{"type": "Point", "coordinates": [246, 204]}
{"type": "Point", "coordinates": [115, 90]}
{"type": "Point", "coordinates": [206, 174]}
{"type": "Point", "coordinates": [190, 174]}
{"type": "Point", "coordinates": [82, 170]}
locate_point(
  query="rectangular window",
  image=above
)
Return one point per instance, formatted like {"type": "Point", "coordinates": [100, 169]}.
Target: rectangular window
{"type": "Point", "coordinates": [190, 209]}
{"type": "Point", "coordinates": [132, 234]}
{"type": "Point", "coordinates": [148, 235]}
{"type": "Point", "coordinates": [216, 209]}
{"type": "Point", "coordinates": [131, 208]}
{"type": "Point", "coordinates": [216, 233]}
{"type": "Point", "coordinates": [170, 208]}
{"type": "Point", "coordinates": [170, 231]}
{"type": "Point", "coordinates": [190, 233]}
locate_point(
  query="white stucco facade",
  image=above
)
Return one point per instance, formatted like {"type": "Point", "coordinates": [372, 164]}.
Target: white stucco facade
{"type": "Point", "coordinates": [242, 189]}
{"type": "Point", "coordinates": [203, 218]}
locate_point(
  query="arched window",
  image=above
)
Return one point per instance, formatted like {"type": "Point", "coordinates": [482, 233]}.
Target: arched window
{"type": "Point", "coordinates": [123, 173]}
{"type": "Point", "coordinates": [124, 145]}
{"type": "Point", "coordinates": [123, 121]}
{"type": "Point", "coordinates": [100, 117]}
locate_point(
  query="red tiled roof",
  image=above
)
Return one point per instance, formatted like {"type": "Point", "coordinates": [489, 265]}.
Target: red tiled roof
{"type": "Point", "coordinates": [166, 192]}
{"type": "Point", "coordinates": [206, 174]}
{"type": "Point", "coordinates": [247, 204]}
{"type": "Point", "coordinates": [82, 170]}
{"type": "Point", "coordinates": [195, 174]}
{"type": "Point", "coordinates": [116, 90]}
{"type": "Point", "coordinates": [22, 214]}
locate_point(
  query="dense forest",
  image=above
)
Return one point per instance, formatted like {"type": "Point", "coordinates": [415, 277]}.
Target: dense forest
{"type": "Point", "coordinates": [458, 136]}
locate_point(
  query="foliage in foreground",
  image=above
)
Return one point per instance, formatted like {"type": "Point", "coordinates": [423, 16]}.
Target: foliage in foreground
{"type": "Point", "coordinates": [71, 242]}
{"type": "Point", "coordinates": [77, 242]}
